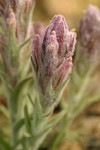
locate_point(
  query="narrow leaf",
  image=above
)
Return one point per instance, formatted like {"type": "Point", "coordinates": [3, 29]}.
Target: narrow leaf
{"type": "Point", "coordinates": [27, 120]}
{"type": "Point", "coordinates": [53, 121]}
{"type": "Point", "coordinates": [25, 42]}
{"type": "Point", "coordinates": [4, 145]}
{"type": "Point", "coordinates": [4, 111]}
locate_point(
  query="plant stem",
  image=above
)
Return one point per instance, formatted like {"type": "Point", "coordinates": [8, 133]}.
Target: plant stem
{"type": "Point", "coordinates": [70, 116]}
{"type": "Point", "coordinates": [12, 122]}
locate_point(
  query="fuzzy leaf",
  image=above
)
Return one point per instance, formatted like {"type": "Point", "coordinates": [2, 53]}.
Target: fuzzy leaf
{"type": "Point", "coordinates": [20, 123]}
{"type": "Point", "coordinates": [25, 65]}
{"type": "Point", "coordinates": [27, 121]}
{"type": "Point", "coordinates": [53, 121]}
{"type": "Point", "coordinates": [36, 106]}
{"type": "Point", "coordinates": [49, 124]}
{"type": "Point", "coordinates": [25, 42]}
{"type": "Point", "coordinates": [20, 87]}
{"type": "Point", "coordinates": [18, 90]}
{"type": "Point", "coordinates": [5, 83]}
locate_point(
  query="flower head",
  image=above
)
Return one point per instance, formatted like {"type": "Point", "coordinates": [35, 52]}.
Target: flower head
{"type": "Point", "coordinates": [90, 32]}
{"type": "Point", "coordinates": [52, 59]}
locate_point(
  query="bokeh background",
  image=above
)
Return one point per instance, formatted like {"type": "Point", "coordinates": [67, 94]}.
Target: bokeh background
{"type": "Point", "coordinates": [71, 9]}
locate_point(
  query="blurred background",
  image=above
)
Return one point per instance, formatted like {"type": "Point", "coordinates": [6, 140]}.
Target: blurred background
{"type": "Point", "coordinates": [71, 9]}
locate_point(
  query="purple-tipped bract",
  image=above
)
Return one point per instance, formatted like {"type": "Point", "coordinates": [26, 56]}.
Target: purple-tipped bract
{"type": "Point", "coordinates": [52, 57]}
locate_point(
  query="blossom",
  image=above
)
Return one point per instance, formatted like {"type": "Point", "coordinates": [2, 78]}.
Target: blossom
{"type": "Point", "coordinates": [52, 60]}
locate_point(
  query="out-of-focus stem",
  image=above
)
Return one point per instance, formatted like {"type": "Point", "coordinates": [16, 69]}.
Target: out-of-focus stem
{"type": "Point", "coordinates": [12, 120]}
{"type": "Point", "coordinates": [38, 142]}
{"type": "Point", "coordinates": [70, 115]}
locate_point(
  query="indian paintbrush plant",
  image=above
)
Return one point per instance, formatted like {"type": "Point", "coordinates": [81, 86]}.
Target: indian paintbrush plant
{"type": "Point", "coordinates": [33, 95]}
{"type": "Point", "coordinates": [52, 61]}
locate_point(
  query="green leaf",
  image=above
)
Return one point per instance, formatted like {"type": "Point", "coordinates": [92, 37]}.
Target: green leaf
{"type": "Point", "coordinates": [17, 91]}
{"type": "Point", "coordinates": [60, 91]}
{"type": "Point", "coordinates": [50, 124]}
{"type": "Point", "coordinates": [53, 121]}
{"type": "Point", "coordinates": [1, 66]}
{"type": "Point", "coordinates": [36, 106]}
{"type": "Point", "coordinates": [24, 67]}
{"type": "Point", "coordinates": [12, 49]}
{"type": "Point", "coordinates": [63, 86]}
{"type": "Point", "coordinates": [84, 103]}
{"type": "Point", "coordinates": [32, 102]}
{"type": "Point", "coordinates": [3, 77]}
{"type": "Point", "coordinates": [27, 121]}
{"type": "Point", "coordinates": [18, 125]}
{"type": "Point", "coordinates": [20, 87]}
{"type": "Point", "coordinates": [4, 111]}
{"type": "Point", "coordinates": [5, 83]}
{"type": "Point", "coordinates": [25, 42]}
{"type": "Point", "coordinates": [39, 121]}
{"type": "Point", "coordinates": [4, 145]}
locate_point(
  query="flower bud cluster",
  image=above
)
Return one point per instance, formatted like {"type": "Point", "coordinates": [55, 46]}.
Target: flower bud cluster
{"type": "Point", "coordinates": [52, 59]}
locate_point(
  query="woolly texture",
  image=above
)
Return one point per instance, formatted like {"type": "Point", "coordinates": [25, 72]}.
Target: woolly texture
{"type": "Point", "coordinates": [52, 58]}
